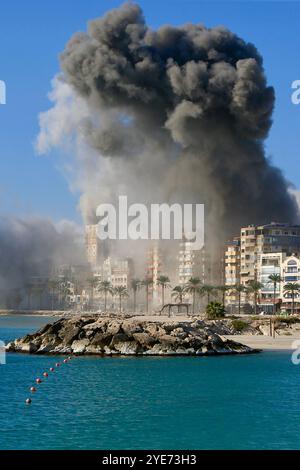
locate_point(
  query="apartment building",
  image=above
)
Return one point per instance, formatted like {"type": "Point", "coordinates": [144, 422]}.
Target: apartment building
{"type": "Point", "coordinates": [92, 245]}
{"type": "Point", "coordinates": [268, 264]}
{"type": "Point", "coordinates": [154, 269]}
{"type": "Point", "coordinates": [270, 238]}
{"type": "Point", "coordinates": [117, 271]}
{"type": "Point", "coordinates": [290, 273]}
{"type": "Point", "coordinates": [232, 262]}
{"type": "Point", "coordinates": [193, 263]}
{"type": "Point", "coordinates": [257, 253]}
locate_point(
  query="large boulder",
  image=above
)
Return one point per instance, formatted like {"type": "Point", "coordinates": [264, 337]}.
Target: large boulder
{"type": "Point", "coordinates": [79, 346]}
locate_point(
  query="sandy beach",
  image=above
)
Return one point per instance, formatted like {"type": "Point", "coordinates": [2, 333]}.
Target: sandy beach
{"type": "Point", "coordinates": [266, 342]}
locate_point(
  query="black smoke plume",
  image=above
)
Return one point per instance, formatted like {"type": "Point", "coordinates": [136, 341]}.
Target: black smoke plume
{"type": "Point", "coordinates": [196, 96]}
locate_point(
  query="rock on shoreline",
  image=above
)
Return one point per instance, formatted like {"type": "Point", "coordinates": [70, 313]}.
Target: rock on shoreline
{"type": "Point", "coordinates": [107, 337]}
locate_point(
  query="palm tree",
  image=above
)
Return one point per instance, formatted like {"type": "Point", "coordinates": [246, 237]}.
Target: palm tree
{"type": "Point", "coordinates": [163, 281]}
{"type": "Point", "coordinates": [178, 293]}
{"type": "Point", "coordinates": [106, 287]}
{"type": "Point", "coordinates": [121, 292]}
{"type": "Point", "coordinates": [193, 287]}
{"type": "Point", "coordinates": [93, 283]}
{"type": "Point", "coordinates": [223, 289]}
{"type": "Point", "coordinates": [253, 287]}
{"type": "Point", "coordinates": [239, 288]}
{"type": "Point", "coordinates": [147, 283]}
{"type": "Point", "coordinates": [291, 289]}
{"type": "Point", "coordinates": [207, 290]}
{"type": "Point", "coordinates": [135, 285]}
{"type": "Point", "coordinates": [53, 285]}
{"type": "Point", "coordinates": [274, 279]}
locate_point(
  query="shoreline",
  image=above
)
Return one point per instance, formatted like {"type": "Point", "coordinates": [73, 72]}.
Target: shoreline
{"type": "Point", "coordinates": [262, 342]}
{"type": "Point", "coordinates": [32, 313]}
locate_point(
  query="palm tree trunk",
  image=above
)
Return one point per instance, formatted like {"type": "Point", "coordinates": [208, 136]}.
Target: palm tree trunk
{"type": "Point", "coordinates": [194, 297]}
{"type": "Point", "coordinates": [120, 300]}
{"type": "Point", "coordinates": [293, 303]}
{"type": "Point", "coordinates": [105, 300]}
{"type": "Point", "coordinates": [239, 303]}
{"type": "Point", "coordinates": [274, 299]}
{"type": "Point", "coordinates": [134, 301]}
{"type": "Point", "coordinates": [255, 303]}
{"type": "Point", "coordinates": [163, 295]}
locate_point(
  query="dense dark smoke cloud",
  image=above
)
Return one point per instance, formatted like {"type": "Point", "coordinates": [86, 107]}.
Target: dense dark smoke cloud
{"type": "Point", "coordinates": [197, 97]}
{"type": "Point", "coordinates": [34, 247]}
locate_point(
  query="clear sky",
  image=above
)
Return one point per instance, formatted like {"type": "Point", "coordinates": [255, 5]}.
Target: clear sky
{"type": "Point", "coordinates": [34, 32]}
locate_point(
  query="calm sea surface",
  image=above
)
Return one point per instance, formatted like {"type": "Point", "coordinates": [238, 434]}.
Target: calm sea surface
{"type": "Point", "coordinates": [247, 402]}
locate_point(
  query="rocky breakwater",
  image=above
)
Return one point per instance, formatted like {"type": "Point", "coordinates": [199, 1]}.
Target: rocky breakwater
{"type": "Point", "coordinates": [94, 335]}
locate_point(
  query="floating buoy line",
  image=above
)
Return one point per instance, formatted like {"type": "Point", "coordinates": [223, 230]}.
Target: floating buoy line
{"type": "Point", "coordinates": [38, 380]}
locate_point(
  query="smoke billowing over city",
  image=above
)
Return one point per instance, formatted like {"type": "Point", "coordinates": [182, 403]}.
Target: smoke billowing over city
{"type": "Point", "coordinates": [32, 248]}
{"type": "Point", "coordinates": [149, 230]}
{"type": "Point", "coordinates": [178, 114]}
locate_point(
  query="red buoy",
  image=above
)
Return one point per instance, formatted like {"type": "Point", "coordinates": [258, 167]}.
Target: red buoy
{"type": "Point", "coordinates": [65, 361]}
{"type": "Point", "coordinates": [28, 401]}
{"type": "Point", "coordinates": [32, 389]}
{"type": "Point", "coordinates": [69, 358]}
{"type": "Point", "coordinates": [38, 381]}
{"type": "Point", "coordinates": [57, 364]}
{"type": "Point", "coordinates": [45, 374]}
{"type": "Point", "coordinates": [51, 369]}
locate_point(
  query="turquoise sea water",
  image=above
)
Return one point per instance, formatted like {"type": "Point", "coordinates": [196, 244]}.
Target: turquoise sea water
{"type": "Point", "coordinates": [247, 402]}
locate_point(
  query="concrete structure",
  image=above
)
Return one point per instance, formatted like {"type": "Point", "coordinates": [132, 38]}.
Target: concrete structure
{"type": "Point", "coordinates": [268, 264]}
{"type": "Point", "coordinates": [121, 273]}
{"type": "Point", "coordinates": [270, 238]}
{"type": "Point", "coordinates": [118, 272]}
{"type": "Point", "coordinates": [232, 262]}
{"type": "Point", "coordinates": [193, 263]}
{"type": "Point", "coordinates": [290, 273]}
{"type": "Point", "coordinates": [153, 271]}
{"type": "Point", "coordinates": [92, 244]}
{"type": "Point", "coordinates": [257, 253]}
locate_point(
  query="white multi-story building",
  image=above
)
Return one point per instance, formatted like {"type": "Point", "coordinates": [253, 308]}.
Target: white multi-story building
{"type": "Point", "coordinates": [268, 264]}
{"type": "Point", "coordinates": [192, 263]}
{"type": "Point", "coordinates": [118, 272]}
{"type": "Point", "coordinates": [290, 273]}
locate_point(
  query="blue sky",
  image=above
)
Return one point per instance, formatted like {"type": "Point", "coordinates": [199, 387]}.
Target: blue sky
{"type": "Point", "coordinates": [33, 33]}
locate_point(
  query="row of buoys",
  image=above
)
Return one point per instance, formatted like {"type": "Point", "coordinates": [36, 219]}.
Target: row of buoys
{"type": "Point", "coordinates": [38, 380]}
